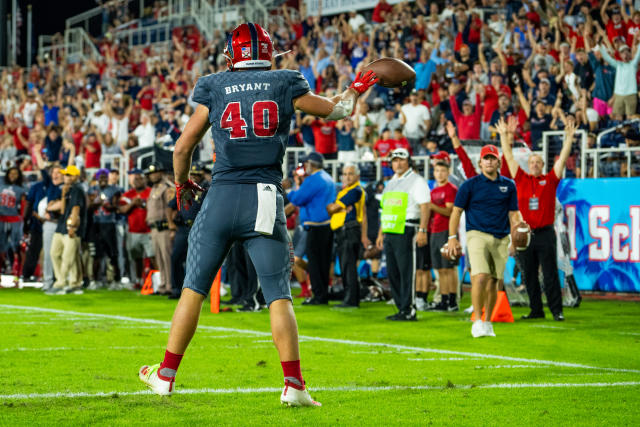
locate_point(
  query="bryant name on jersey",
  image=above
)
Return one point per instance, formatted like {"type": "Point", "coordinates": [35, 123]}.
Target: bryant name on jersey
{"type": "Point", "coordinates": [244, 87]}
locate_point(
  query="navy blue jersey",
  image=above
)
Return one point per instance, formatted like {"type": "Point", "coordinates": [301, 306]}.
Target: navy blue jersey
{"type": "Point", "coordinates": [250, 115]}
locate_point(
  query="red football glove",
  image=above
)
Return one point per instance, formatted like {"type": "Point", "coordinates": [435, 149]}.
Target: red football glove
{"type": "Point", "coordinates": [364, 81]}
{"type": "Point", "coordinates": [185, 193]}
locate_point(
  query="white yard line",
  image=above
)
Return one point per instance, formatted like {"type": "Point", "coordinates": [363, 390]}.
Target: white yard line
{"type": "Point", "coordinates": [70, 395]}
{"type": "Point", "coordinates": [164, 323]}
{"type": "Point", "coordinates": [70, 348]}
{"type": "Point", "coordinates": [440, 358]}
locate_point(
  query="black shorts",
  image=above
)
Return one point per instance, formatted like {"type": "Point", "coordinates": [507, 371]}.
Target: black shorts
{"type": "Point", "coordinates": [437, 241]}
{"type": "Point", "coordinates": [423, 260]}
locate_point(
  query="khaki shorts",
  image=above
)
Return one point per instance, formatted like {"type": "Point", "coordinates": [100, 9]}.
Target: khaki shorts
{"type": "Point", "coordinates": [625, 104]}
{"type": "Point", "coordinates": [487, 254]}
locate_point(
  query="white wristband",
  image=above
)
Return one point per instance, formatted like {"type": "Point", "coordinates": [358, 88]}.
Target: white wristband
{"type": "Point", "coordinates": [455, 236]}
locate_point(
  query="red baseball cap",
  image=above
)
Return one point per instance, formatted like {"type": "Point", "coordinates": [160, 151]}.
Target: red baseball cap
{"type": "Point", "coordinates": [441, 155]}
{"type": "Point", "coordinates": [489, 150]}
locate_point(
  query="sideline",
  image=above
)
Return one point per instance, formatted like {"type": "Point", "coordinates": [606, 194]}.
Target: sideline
{"type": "Point", "coordinates": [113, 394]}
{"type": "Point", "coordinates": [328, 340]}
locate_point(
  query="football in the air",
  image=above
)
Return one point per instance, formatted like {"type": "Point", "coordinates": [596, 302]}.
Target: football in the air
{"type": "Point", "coordinates": [521, 236]}
{"type": "Point", "coordinates": [443, 252]}
{"type": "Point", "coordinates": [392, 72]}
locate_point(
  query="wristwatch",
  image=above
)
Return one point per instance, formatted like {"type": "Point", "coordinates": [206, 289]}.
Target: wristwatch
{"type": "Point", "coordinates": [422, 230]}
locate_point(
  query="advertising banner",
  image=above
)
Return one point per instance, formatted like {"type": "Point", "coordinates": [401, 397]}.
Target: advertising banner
{"type": "Point", "coordinates": [603, 223]}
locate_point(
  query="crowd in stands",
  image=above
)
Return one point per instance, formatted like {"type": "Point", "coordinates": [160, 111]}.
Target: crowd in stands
{"type": "Point", "coordinates": [544, 63]}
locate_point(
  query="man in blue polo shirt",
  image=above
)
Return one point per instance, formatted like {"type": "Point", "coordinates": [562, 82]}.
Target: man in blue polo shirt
{"type": "Point", "coordinates": [491, 204]}
{"type": "Point", "coordinates": [313, 195]}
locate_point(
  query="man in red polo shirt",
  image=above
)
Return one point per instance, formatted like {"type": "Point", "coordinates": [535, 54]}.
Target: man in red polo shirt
{"type": "Point", "coordinates": [537, 201]}
{"type": "Point", "coordinates": [133, 203]}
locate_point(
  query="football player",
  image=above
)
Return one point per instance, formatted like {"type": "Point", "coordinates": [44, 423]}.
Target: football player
{"type": "Point", "coordinates": [248, 109]}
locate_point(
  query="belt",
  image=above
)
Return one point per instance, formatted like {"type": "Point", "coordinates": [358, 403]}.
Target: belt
{"type": "Point", "coordinates": [159, 225]}
{"type": "Point", "coordinates": [188, 223]}
{"type": "Point", "coordinates": [545, 228]}
{"type": "Point", "coordinates": [412, 222]}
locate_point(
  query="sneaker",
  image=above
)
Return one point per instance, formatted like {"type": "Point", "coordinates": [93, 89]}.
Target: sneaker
{"type": "Point", "coordinates": [75, 291]}
{"type": "Point", "coordinates": [293, 396]}
{"type": "Point", "coordinates": [313, 301]}
{"type": "Point", "coordinates": [469, 310]}
{"type": "Point", "coordinates": [404, 316]}
{"type": "Point", "coordinates": [55, 291]}
{"type": "Point", "coordinates": [477, 329]}
{"type": "Point", "coordinates": [453, 308]}
{"type": "Point", "coordinates": [249, 307]}
{"type": "Point", "coordinates": [94, 285]}
{"type": "Point", "coordinates": [114, 286]}
{"type": "Point", "coordinates": [437, 307]}
{"type": "Point", "coordinates": [149, 376]}
{"type": "Point", "coordinates": [488, 329]}
{"type": "Point", "coordinates": [421, 304]}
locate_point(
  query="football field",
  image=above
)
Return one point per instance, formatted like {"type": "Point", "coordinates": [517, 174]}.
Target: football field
{"type": "Point", "coordinates": [73, 360]}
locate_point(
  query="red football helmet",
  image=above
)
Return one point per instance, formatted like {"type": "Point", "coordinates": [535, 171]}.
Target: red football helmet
{"type": "Point", "coordinates": [249, 46]}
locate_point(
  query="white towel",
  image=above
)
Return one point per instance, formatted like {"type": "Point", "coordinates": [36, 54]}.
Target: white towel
{"type": "Point", "coordinates": [266, 215]}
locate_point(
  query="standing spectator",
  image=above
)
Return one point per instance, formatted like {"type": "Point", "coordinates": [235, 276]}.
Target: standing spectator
{"type": "Point", "coordinates": [390, 121]}
{"type": "Point", "coordinates": [468, 121]}
{"type": "Point", "coordinates": [313, 196]}
{"type": "Point", "coordinates": [626, 87]}
{"type": "Point", "coordinates": [53, 144]}
{"type": "Point", "coordinates": [133, 204]}
{"type": "Point", "coordinates": [160, 222]}
{"type": "Point", "coordinates": [443, 195]}
{"type": "Point", "coordinates": [65, 246]}
{"type": "Point", "coordinates": [40, 221]}
{"type": "Point", "coordinates": [381, 11]}
{"type": "Point", "coordinates": [346, 141]}
{"type": "Point", "coordinates": [347, 212]}
{"type": "Point", "coordinates": [403, 232]}
{"type": "Point", "coordinates": [242, 278]}
{"type": "Point", "coordinates": [118, 114]}
{"type": "Point", "coordinates": [12, 195]}
{"type": "Point", "coordinates": [604, 79]}
{"type": "Point", "coordinates": [537, 200]}
{"type": "Point", "coordinates": [356, 21]}
{"type": "Point", "coordinates": [30, 108]}
{"type": "Point", "coordinates": [324, 135]}
{"type": "Point", "coordinates": [384, 145]}
{"type": "Point", "coordinates": [490, 203]}
{"type": "Point", "coordinates": [418, 120]}
{"type": "Point", "coordinates": [103, 202]}
{"type": "Point", "coordinates": [145, 132]}
{"type": "Point", "coordinates": [92, 150]}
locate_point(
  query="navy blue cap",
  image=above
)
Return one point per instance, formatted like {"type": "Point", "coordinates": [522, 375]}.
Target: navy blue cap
{"type": "Point", "coordinates": [135, 171]}
{"type": "Point", "coordinates": [314, 157]}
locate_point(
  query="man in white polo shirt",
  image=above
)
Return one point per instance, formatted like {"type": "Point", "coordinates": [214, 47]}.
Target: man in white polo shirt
{"type": "Point", "coordinates": [403, 232]}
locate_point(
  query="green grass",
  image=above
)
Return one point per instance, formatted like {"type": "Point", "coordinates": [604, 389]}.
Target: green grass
{"type": "Point", "coordinates": [49, 352]}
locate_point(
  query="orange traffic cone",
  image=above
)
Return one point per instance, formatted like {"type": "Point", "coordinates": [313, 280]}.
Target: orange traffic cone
{"type": "Point", "coordinates": [215, 293]}
{"type": "Point", "coordinates": [501, 311]}
{"type": "Point", "coordinates": [147, 288]}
